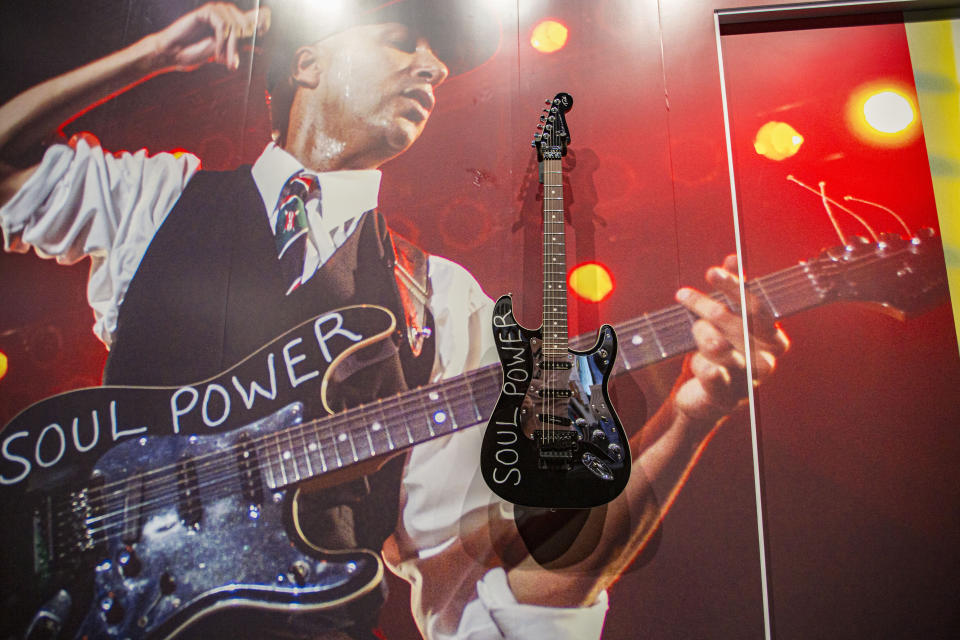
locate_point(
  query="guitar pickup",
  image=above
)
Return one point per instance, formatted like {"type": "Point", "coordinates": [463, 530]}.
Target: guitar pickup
{"type": "Point", "coordinates": [248, 467]}
{"type": "Point", "coordinates": [188, 492]}
{"type": "Point", "coordinates": [549, 418]}
{"type": "Point", "coordinates": [555, 364]}
{"type": "Point", "coordinates": [547, 392]}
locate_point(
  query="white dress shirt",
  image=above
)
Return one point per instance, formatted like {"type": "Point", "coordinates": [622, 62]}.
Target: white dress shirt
{"type": "Point", "coordinates": [84, 201]}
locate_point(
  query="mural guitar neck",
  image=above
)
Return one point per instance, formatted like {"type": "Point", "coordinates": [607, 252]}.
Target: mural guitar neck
{"type": "Point", "coordinates": [554, 439]}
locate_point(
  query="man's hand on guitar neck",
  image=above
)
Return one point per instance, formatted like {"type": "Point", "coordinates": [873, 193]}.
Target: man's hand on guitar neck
{"type": "Point", "coordinates": [718, 368]}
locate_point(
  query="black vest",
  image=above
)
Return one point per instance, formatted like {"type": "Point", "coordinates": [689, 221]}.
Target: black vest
{"type": "Point", "coordinates": [209, 292]}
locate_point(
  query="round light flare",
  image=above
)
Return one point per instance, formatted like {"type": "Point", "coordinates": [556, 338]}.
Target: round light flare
{"type": "Point", "coordinates": [777, 141]}
{"type": "Point", "coordinates": [888, 112]}
{"type": "Point", "coordinates": [884, 115]}
{"type": "Point", "coordinates": [549, 36]}
{"type": "Point", "coordinates": [591, 281]}
{"type": "Point", "coordinates": [3, 364]}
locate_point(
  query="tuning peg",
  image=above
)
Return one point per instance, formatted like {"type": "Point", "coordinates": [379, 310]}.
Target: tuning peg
{"type": "Point", "coordinates": [543, 118]}
{"type": "Point", "coordinates": [548, 101]}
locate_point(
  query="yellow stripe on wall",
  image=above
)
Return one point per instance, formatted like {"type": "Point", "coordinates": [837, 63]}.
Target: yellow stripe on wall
{"type": "Point", "coordinates": [934, 40]}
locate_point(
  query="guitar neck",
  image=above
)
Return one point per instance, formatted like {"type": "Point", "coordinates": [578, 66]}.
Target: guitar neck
{"type": "Point", "coordinates": [555, 340]}
{"type": "Point", "coordinates": [383, 427]}
{"type": "Point", "coordinates": [663, 334]}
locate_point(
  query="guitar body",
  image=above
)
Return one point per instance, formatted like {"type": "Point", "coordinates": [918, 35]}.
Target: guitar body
{"type": "Point", "coordinates": [554, 439]}
{"type": "Point", "coordinates": [220, 545]}
{"type": "Point", "coordinates": [167, 529]}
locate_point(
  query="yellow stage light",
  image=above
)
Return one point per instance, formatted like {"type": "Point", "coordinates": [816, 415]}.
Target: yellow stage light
{"type": "Point", "coordinates": [549, 36]}
{"type": "Point", "coordinates": [777, 140]}
{"type": "Point", "coordinates": [3, 364]}
{"type": "Point", "coordinates": [888, 112]}
{"type": "Point", "coordinates": [591, 281]}
{"type": "Point", "coordinates": [884, 114]}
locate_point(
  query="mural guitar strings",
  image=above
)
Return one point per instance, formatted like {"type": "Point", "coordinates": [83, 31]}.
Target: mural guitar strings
{"type": "Point", "coordinates": [554, 439]}
{"type": "Point", "coordinates": [145, 512]}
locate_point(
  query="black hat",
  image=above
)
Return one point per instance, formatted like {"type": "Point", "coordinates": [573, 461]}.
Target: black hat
{"type": "Point", "coordinates": [463, 33]}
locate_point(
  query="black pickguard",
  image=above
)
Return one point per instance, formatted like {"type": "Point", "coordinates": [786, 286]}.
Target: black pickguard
{"type": "Point", "coordinates": [565, 449]}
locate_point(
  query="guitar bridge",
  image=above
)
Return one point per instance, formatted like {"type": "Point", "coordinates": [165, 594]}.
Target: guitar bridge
{"type": "Point", "coordinates": [556, 449]}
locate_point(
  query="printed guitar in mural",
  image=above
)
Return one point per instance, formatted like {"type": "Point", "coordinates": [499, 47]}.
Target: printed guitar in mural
{"type": "Point", "coordinates": [151, 512]}
{"type": "Point", "coordinates": [554, 439]}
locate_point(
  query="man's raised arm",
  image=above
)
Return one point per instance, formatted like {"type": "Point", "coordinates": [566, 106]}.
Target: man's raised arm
{"type": "Point", "coordinates": [208, 34]}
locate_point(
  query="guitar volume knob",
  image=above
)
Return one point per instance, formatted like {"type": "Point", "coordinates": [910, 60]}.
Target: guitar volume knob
{"type": "Point", "coordinates": [129, 563]}
{"type": "Point", "coordinates": [113, 611]}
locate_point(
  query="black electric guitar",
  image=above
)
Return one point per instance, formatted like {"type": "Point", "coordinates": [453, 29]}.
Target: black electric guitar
{"type": "Point", "coordinates": [147, 512]}
{"type": "Point", "coordinates": [554, 439]}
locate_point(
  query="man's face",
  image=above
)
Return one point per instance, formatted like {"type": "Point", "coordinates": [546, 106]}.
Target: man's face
{"type": "Point", "coordinates": [375, 90]}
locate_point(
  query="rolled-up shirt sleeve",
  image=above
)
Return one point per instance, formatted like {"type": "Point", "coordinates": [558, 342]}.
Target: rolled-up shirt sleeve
{"type": "Point", "coordinates": [82, 201]}
{"type": "Point", "coordinates": [515, 621]}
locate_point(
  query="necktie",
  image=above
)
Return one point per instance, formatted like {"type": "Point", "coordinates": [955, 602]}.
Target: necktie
{"type": "Point", "coordinates": [290, 230]}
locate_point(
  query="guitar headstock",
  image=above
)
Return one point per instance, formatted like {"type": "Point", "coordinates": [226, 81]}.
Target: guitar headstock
{"type": "Point", "coordinates": [552, 135]}
{"type": "Point", "coordinates": [904, 276]}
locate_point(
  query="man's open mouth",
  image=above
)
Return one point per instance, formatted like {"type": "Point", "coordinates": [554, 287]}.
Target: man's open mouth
{"type": "Point", "coordinates": [424, 100]}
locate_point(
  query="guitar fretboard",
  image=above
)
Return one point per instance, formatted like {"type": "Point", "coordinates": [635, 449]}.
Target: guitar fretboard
{"type": "Point", "coordinates": [379, 428]}
{"type": "Point", "coordinates": [667, 333]}
{"type": "Point", "coordinates": [555, 340]}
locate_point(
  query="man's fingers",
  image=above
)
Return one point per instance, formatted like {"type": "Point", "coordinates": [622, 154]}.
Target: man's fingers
{"type": "Point", "coordinates": [714, 312]}
{"type": "Point", "coordinates": [230, 25]}
{"type": "Point", "coordinates": [723, 387]}
{"type": "Point", "coordinates": [263, 19]}
{"type": "Point", "coordinates": [731, 264]}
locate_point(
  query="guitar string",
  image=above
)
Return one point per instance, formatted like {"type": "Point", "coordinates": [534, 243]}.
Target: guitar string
{"type": "Point", "coordinates": [793, 274]}
{"type": "Point", "coordinates": [552, 299]}
{"type": "Point", "coordinates": [326, 427]}
{"type": "Point", "coordinates": [230, 472]}
{"type": "Point", "coordinates": [333, 423]}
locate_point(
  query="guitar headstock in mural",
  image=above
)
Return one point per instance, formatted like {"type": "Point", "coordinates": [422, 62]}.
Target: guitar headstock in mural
{"type": "Point", "coordinates": [903, 275]}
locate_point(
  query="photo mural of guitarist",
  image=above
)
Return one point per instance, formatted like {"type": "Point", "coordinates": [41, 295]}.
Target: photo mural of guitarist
{"type": "Point", "coordinates": [291, 274]}
{"type": "Point", "coordinates": [193, 271]}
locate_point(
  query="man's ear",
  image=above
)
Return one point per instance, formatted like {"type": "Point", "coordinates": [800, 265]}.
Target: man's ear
{"type": "Point", "coordinates": [306, 67]}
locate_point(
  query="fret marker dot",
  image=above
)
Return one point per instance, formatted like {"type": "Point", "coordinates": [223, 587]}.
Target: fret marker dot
{"type": "Point", "coordinates": [440, 417]}
{"type": "Point", "coordinates": [342, 437]}
{"type": "Point", "coordinates": [637, 340]}
{"type": "Point", "coordinates": [312, 446]}
{"type": "Point", "coordinates": [434, 396]}
{"type": "Point", "coordinates": [286, 455]}
{"type": "Point", "coordinates": [376, 426]}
